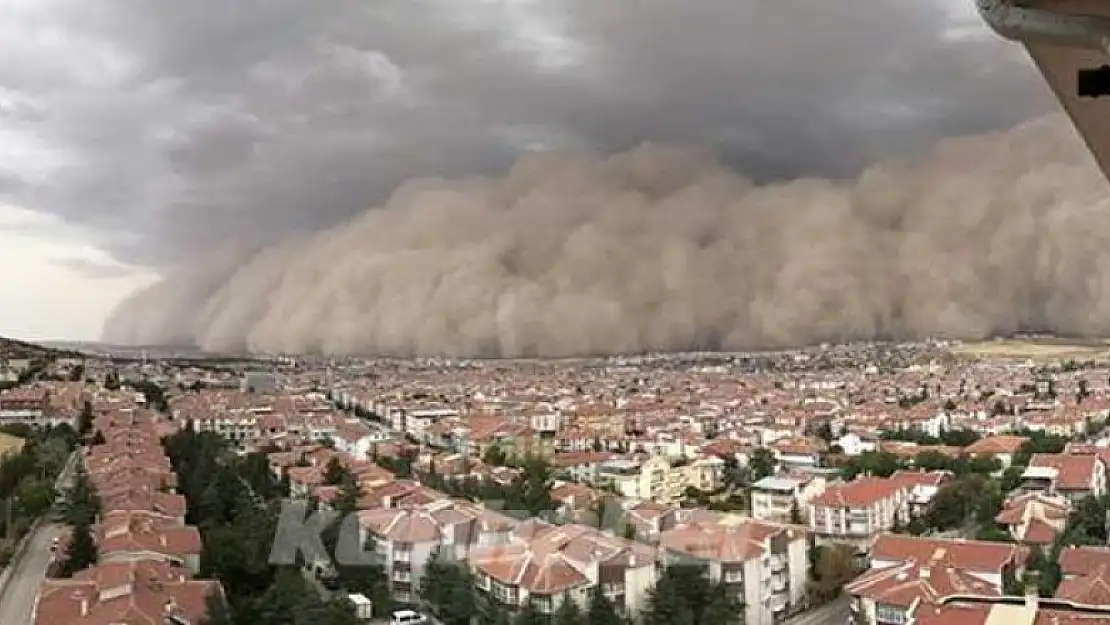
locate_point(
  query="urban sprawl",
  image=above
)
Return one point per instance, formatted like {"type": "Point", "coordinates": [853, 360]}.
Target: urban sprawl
{"type": "Point", "coordinates": [901, 484]}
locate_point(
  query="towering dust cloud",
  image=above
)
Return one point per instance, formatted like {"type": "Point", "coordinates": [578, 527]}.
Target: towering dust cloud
{"type": "Point", "coordinates": [663, 248]}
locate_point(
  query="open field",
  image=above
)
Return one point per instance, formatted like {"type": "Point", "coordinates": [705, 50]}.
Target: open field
{"type": "Point", "coordinates": [1036, 349]}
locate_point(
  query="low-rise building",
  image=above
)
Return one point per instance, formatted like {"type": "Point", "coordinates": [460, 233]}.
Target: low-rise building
{"type": "Point", "coordinates": [1073, 476]}
{"type": "Point", "coordinates": [125, 592]}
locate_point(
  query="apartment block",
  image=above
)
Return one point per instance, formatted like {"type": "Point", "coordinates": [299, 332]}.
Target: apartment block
{"type": "Point", "coordinates": [765, 565]}
{"type": "Point", "coordinates": [545, 565]}
{"type": "Point", "coordinates": [776, 498]}
{"type": "Point", "coordinates": [855, 513]}
{"type": "Point", "coordinates": [407, 537]}
{"type": "Point", "coordinates": [907, 571]}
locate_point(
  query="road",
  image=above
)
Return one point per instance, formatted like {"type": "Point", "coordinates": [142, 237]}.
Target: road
{"type": "Point", "coordinates": [835, 613]}
{"type": "Point", "coordinates": [17, 598]}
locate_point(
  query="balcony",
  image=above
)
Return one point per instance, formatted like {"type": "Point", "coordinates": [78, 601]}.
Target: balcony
{"type": "Point", "coordinates": [402, 576]}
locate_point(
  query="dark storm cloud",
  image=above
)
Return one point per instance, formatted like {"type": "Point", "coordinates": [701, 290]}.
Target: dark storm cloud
{"type": "Point", "coordinates": [179, 126]}
{"type": "Point", "coordinates": [268, 154]}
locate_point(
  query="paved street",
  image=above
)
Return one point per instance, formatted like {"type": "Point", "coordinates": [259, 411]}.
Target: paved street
{"type": "Point", "coordinates": [17, 599]}
{"type": "Point", "coordinates": [835, 613]}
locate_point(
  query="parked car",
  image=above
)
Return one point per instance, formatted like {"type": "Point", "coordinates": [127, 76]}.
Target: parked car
{"type": "Point", "coordinates": [407, 617]}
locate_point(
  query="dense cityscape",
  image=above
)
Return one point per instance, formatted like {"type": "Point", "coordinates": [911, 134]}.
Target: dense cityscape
{"type": "Point", "coordinates": [869, 483]}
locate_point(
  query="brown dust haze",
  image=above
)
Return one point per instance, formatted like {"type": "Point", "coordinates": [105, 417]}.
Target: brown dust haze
{"type": "Point", "coordinates": [663, 248]}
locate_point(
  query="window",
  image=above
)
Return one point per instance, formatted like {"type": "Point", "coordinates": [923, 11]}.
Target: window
{"type": "Point", "coordinates": [893, 615]}
{"type": "Point", "coordinates": [504, 594]}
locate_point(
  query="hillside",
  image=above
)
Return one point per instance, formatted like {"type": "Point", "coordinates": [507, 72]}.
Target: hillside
{"type": "Point", "coordinates": [13, 349]}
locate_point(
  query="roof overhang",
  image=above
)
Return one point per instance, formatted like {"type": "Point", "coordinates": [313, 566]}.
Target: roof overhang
{"type": "Point", "coordinates": [1060, 61]}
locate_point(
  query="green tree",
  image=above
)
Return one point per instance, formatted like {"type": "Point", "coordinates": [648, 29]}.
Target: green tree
{"type": "Point", "coordinates": [762, 463]}
{"type": "Point", "coordinates": [85, 419]}
{"type": "Point", "coordinates": [346, 502]}
{"type": "Point", "coordinates": [972, 498]}
{"type": "Point", "coordinates": [494, 457]}
{"type": "Point", "coordinates": [82, 502]}
{"type": "Point", "coordinates": [492, 613]}
{"type": "Point", "coordinates": [684, 595]}
{"type": "Point", "coordinates": [1043, 570]}
{"type": "Point", "coordinates": [530, 490]}
{"type": "Point", "coordinates": [931, 460]}
{"type": "Point", "coordinates": [335, 472]}
{"type": "Point", "coordinates": [875, 463]}
{"type": "Point", "coordinates": [994, 534]}
{"type": "Point", "coordinates": [1087, 523]}
{"type": "Point", "coordinates": [448, 587]}
{"type": "Point", "coordinates": [529, 615]}
{"type": "Point", "coordinates": [255, 470]}
{"type": "Point", "coordinates": [833, 567]}
{"type": "Point", "coordinates": [290, 599]}
{"type": "Point", "coordinates": [601, 610]}
{"type": "Point", "coordinates": [81, 552]}
{"type": "Point", "coordinates": [569, 613]}
{"type": "Point", "coordinates": [216, 610]}
{"type": "Point", "coordinates": [722, 607]}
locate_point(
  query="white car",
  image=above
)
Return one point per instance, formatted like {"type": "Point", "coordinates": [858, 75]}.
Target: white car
{"type": "Point", "coordinates": [407, 617]}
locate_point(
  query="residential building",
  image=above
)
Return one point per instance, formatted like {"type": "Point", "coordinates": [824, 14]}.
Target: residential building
{"type": "Point", "coordinates": [1085, 573]}
{"type": "Point", "coordinates": [407, 537]}
{"type": "Point", "coordinates": [546, 565]}
{"type": "Point", "coordinates": [640, 479]}
{"type": "Point", "coordinates": [1001, 447]}
{"type": "Point", "coordinates": [125, 592]}
{"type": "Point", "coordinates": [922, 486]}
{"type": "Point", "coordinates": [855, 513]}
{"type": "Point", "coordinates": [907, 571]}
{"type": "Point", "coordinates": [1073, 476]}
{"type": "Point", "coordinates": [853, 444]}
{"type": "Point", "coordinates": [777, 499]}
{"type": "Point", "coordinates": [1036, 518]}
{"type": "Point", "coordinates": [764, 565]}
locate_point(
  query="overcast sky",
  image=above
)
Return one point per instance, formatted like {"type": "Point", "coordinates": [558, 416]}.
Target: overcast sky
{"type": "Point", "coordinates": [139, 135]}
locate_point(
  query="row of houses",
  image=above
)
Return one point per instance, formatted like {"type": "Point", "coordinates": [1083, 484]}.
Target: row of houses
{"type": "Point", "coordinates": [148, 556]}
